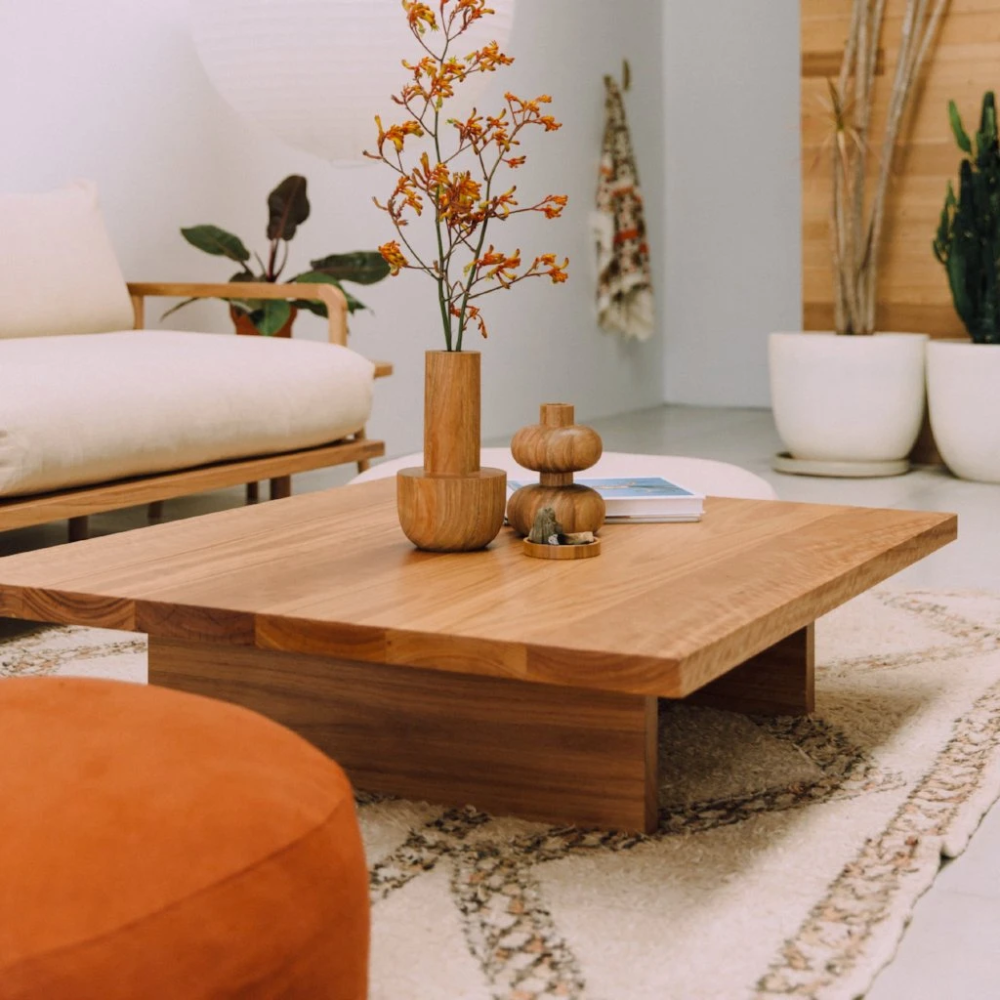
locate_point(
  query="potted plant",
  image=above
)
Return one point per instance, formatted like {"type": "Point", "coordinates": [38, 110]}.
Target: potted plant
{"type": "Point", "coordinates": [288, 208]}
{"type": "Point", "coordinates": [963, 375]}
{"type": "Point", "coordinates": [846, 402]}
{"type": "Point", "coordinates": [454, 172]}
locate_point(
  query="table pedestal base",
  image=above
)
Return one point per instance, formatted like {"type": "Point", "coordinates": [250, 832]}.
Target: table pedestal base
{"type": "Point", "coordinates": [558, 754]}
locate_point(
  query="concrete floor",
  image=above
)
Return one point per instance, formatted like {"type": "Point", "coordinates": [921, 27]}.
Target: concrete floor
{"type": "Point", "coordinates": [950, 950]}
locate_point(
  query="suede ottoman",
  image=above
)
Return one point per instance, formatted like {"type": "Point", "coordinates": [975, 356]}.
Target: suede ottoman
{"type": "Point", "coordinates": [156, 844]}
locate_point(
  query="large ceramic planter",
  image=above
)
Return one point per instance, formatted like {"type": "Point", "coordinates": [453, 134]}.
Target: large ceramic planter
{"type": "Point", "coordinates": [451, 504]}
{"type": "Point", "coordinates": [847, 405]}
{"type": "Point", "coordinates": [963, 397]}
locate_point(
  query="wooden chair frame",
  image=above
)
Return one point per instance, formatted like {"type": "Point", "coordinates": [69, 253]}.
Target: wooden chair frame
{"type": "Point", "coordinates": [75, 504]}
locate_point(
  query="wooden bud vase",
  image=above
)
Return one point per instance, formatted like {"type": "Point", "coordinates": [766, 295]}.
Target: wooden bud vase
{"type": "Point", "coordinates": [556, 448]}
{"type": "Point", "coordinates": [451, 504]}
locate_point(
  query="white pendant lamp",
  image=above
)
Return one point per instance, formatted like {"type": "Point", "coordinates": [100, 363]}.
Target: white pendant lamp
{"type": "Point", "coordinates": [316, 72]}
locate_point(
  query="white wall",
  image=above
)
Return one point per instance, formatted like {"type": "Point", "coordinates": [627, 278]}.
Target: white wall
{"type": "Point", "coordinates": [732, 270]}
{"type": "Point", "coordinates": [113, 90]}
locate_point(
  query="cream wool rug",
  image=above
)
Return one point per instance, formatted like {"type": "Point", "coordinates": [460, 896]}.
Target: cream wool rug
{"type": "Point", "coordinates": [790, 852]}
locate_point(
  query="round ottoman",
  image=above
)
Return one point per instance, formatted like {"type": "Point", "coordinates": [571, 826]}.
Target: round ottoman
{"type": "Point", "coordinates": [156, 844]}
{"type": "Point", "coordinates": [703, 475]}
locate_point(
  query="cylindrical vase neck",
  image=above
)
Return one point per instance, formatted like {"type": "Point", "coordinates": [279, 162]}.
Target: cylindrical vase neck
{"type": "Point", "coordinates": [556, 414]}
{"type": "Point", "coordinates": [451, 412]}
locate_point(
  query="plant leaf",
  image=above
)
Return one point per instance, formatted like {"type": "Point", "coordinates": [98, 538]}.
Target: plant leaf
{"type": "Point", "coordinates": [217, 242]}
{"type": "Point", "coordinates": [288, 208]}
{"type": "Point", "coordinates": [363, 267]}
{"type": "Point", "coordinates": [180, 305]}
{"type": "Point", "coordinates": [274, 316]}
{"type": "Point", "coordinates": [246, 305]}
{"type": "Point", "coordinates": [311, 305]}
{"type": "Point", "coordinates": [321, 278]}
{"type": "Point", "coordinates": [961, 137]}
{"type": "Point", "coordinates": [942, 240]}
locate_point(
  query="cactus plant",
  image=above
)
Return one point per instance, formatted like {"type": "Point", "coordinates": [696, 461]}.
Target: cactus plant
{"type": "Point", "coordinates": [968, 236]}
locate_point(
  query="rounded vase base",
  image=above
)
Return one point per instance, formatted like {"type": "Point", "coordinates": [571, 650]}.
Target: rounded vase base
{"type": "Point", "coordinates": [783, 462]}
{"type": "Point", "coordinates": [451, 513]}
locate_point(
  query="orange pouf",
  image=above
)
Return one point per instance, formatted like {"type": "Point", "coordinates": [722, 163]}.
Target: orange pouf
{"type": "Point", "coordinates": [155, 844]}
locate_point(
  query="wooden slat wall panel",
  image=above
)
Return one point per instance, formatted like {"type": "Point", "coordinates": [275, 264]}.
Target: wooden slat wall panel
{"type": "Point", "coordinates": [913, 290]}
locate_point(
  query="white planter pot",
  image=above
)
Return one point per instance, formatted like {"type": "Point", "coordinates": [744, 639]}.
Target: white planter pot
{"type": "Point", "coordinates": [847, 399]}
{"type": "Point", "coordinates": [963, 396]}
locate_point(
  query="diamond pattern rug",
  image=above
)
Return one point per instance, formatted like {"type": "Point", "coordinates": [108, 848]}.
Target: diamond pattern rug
{"type": "Point", "coordinates": [789, 855]}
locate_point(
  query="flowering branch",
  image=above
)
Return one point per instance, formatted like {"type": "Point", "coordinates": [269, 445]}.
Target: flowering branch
{"type": "Point", "coordinates": [463, 205]}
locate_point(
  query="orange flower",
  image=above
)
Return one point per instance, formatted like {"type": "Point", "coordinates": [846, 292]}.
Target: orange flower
{"type": "Point", "coordinates": [502, 204]}
{"type": "Point", "coordinates": [420, 16]}
{"type": "Point", "coordinates": [396, 134]}
{"type": "Point", "coordinates": [546, 264]}
{"type": "Point", "coordinates": [393, 256]}
{"type": "Point", "coordinates": [470, 313]}
{"type": "Point", "coordinates": [496, 264]}
{"type": "Point", "coordinates": [486, 59]}
{"type": "Point", "coordinates": [407, 193]}
{"type": "Point", "coordinates": [553, 205]}
{"type": "Point", "coordinates": [470, 131]}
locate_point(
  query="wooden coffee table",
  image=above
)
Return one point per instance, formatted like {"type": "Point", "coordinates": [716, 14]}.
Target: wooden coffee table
{"type": "Point", "coordinates": [523, 686]}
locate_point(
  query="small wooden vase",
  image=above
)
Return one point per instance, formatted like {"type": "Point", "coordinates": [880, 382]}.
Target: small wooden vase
{"type": "Point", "coordinates": [556, 448]}
{"type": "Point", "coordinates": [451, 504]}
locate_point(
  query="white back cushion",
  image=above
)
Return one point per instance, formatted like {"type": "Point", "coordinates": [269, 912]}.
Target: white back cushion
{"type": "Point", "coordinates": [60, 273]}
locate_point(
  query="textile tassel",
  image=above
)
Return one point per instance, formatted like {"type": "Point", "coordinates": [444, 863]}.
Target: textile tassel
{"type": "Point", "coordinates": [624, 287]}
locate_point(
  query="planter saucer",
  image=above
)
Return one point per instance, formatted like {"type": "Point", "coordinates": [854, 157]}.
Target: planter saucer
{"type": "Point", "coordinates": [783, 462]}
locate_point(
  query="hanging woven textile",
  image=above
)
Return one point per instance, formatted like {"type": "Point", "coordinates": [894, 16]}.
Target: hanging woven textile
{"type": "Point", "coordinates": [624, 288]}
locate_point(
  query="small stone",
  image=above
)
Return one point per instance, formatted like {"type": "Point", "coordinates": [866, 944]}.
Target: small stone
{"type": "Point", "coordinates": [577, 538]}
{"type": "Point", "coordinates": [545, 527]}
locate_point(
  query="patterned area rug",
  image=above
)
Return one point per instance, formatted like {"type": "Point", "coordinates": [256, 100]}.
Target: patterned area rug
{"type": "Point", "coordinates": [789, 855]}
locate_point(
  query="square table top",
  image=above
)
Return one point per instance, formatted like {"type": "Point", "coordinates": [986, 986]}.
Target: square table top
{"type": "Point", "coordinates": [664, 609]}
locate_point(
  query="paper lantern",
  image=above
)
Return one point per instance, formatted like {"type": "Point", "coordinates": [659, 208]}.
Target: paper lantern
{"type": "Point", "coordinates": [316, 72]}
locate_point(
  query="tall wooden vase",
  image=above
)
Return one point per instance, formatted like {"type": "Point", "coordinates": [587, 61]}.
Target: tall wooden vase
{"type": "Point", "coordinates": [451, 504]}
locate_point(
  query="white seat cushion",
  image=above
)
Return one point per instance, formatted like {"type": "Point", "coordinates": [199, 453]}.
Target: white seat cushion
{"type": "Point", "coordinates": [703, 475]}
{"type": "Point", "coordinates": [60, 274]}
{"type": "Point", "coordinates": [96, 407]}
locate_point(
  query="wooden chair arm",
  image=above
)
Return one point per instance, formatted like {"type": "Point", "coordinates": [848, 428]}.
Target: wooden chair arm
{"type": "Point", "coordinates": [333, 298]}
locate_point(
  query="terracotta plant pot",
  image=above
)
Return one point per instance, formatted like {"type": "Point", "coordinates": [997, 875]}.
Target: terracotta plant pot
{"type": "Point", "coordinates": [244, 325]}
{"type": "Point", "coordinates": [451, 504]}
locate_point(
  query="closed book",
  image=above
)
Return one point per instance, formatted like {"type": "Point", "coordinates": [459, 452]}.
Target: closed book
{"type": "Point", "coordinates": [641, 498]}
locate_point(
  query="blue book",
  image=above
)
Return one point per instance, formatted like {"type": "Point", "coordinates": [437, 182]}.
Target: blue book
{"type": "Point", "coordinates": [641, 498]}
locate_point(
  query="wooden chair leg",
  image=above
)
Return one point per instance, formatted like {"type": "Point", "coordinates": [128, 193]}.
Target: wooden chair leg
{"type": "Point", "coordinates": [253, 493]}
{"type": "Point", "coordinates": [154, 512]}
{"type": "Point", "coordinates": [281, 487]}
{"type": "Point", "coordinates": [78, 529]}
{"type": "Point", "coordinates": [364, 464]}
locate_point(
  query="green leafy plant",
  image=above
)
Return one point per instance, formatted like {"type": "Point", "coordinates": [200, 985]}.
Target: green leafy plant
{"type": "Point", "coordinates": [288, 208]}
{"type": "Point", "coordinates": [968, 236]}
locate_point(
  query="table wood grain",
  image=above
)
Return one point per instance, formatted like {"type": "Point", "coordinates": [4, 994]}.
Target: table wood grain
{"type": "Point", "coordinates": [665, 609]}
{"type": "Point", "coordinates": [521, 685]}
